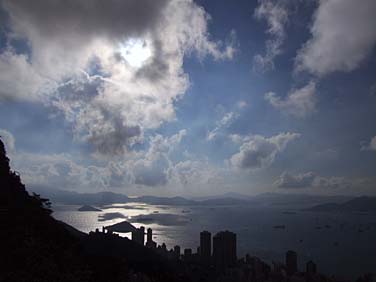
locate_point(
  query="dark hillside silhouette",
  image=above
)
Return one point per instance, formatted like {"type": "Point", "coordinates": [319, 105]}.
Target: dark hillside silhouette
{"type": "Point", "coordinates": [36, 247]}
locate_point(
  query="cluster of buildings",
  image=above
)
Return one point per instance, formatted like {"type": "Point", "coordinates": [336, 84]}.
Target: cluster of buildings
{"type": "Point", "coordinates": [222, 255]}
{"type": "Point", "coordinates": [219, 254]}
{"type": "Point", "coordinates": [216, 259]}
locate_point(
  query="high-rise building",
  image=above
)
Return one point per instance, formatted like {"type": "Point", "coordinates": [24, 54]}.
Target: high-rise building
{"type": "Point", "coordinates": [149, 239]}
{"type": "Point", "coordinates": [138, 235]}
{"type": "Point", "coordinates": [149, 236]}
{"type": "Point", "coordinates": [311, 268]}
{"type": "Point", "coordinates": [291, 262]}
{"type": "Point", "coordinates": [205, 245]}
{"type": "Point", "coordinates": [224, 249]}
{"type": "Point", "coordinates": [177, 252]}
{"type": "Point", "coordinates": [187, 252]}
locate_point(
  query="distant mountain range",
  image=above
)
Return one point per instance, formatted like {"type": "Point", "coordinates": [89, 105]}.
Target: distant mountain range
{"type": "Point", "coordinates": [297, 201]}
{"type": "Point", "coordinates": [359, 204]}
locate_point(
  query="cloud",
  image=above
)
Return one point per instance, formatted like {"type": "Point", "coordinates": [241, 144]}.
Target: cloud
{"type": "Point", "coordinates": [259, 152]}
{"type": "Point", "coordinates": [242, 104]}
{"type": "Point", "coordinates": [60, 171]}
{"type": "Point", "coordinates": [371, 146]}
{"type": "Point", "coordinates": [299, 102]}
{"type": "Point", "coordinates": [303, 180]}
{"type": "Point", "coordinates": [372, 90]}
{"type": "Point", "coordinates": [159, 165]}
{"type": "Point", "coordinates": [147, 168]}
{"type": "Point", "coordinates": [19, 80]}
{"type": "Point", "coordinates": [77, 62]}
{"type": "Point", "coordinates": [152, 168]}
{"type": "Point", "coordinates": [275, 13]}
{"type": "Point", "coordinates": [337, 43]}
{"type": "Point", "coordinates": [150, 174]}
{"type": "Point", "coordinates": [8, 140]}
{"type": "Point", "coordinates": [334, 182]}
{"type": "Point", "coordinates": [311, 180]}
{"type": "Point", "coordinates": [226, 120]}
{"type": "Point", "coordinates": [198, 173]}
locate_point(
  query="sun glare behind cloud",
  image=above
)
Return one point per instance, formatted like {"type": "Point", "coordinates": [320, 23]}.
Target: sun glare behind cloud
{"type": "Point", "coordinates": [136, 52]}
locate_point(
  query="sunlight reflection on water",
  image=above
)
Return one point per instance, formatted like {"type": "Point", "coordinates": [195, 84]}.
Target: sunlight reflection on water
{"type": "Point", "coordinates": [138, 214]}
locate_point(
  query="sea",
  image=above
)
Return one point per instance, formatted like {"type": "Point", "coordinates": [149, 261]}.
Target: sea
{"type": "Point", "coordinates": [341, 244]}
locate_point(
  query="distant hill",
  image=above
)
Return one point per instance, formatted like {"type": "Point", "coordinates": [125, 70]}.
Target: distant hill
{"type": "Point", "coordinates": [359, 204]}
{"type": "Point", "coordinates": [173, 201]}
{"type": "Point", "coordinates": [225, 202]}
{"type": "Point", "coordinates": [232, 195]}
{"type": "Point", "coordinates": [74, 198]}
{"type": "Point", "coordinates": [106, 198]}
{"type": "Point", "coordinates": [297, 201]}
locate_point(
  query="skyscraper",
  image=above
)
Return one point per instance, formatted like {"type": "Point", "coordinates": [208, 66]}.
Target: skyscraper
{"type": "Point", "coordinates": [291, 262]}
{"type": "Point", "coordinates": [177, 252]}
{"type": "Point", "coordinates": [224, 249]}
{"type": "Point", "coordinates": [205, 246]}
{"type": "Point", "coordinates": [138, 235]}
{"type": "Point", "coordinates": [149, 239]}
{"type": "Point", "coordinates": [311, 268]}
{"type": "Point", "coordinates": [149, 236]}
{"type": "Point", "coordinates": [187, 253]}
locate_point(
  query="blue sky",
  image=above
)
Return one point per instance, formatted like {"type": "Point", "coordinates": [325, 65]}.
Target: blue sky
{"type": "Point", "coordinates": [190, 98]}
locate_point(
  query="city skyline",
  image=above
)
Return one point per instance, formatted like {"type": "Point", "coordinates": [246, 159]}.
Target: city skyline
{"type": "Point", "coordinates": [223, 262]}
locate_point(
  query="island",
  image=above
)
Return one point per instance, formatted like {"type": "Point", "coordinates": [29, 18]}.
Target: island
{"type": "Point", "coordinates": [359, 204]}
{"type": "Point", "coordinates": [85, 208]}
{"type": "Point", "coordinates": [122, 227]}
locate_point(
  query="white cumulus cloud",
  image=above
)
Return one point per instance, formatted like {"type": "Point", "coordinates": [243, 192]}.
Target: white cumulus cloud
{"type": "Point", "coordinates": [371, 146]}
{"type": "Point", "coordinates": [275, 13]}
{"type": "Point", "coordinates": [299, 102]}
{"type": "Point", "coordinates": [258, 151]}
{"type": "Point", "coordinates": [343, 35]}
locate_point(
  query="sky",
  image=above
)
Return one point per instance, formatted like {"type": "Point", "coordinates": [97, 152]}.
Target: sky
{"type": "Point", "coordinates": [192, 98]}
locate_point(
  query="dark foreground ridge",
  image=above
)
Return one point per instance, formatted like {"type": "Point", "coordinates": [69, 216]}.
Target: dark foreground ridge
{"type": "Point", "coordinates": [36, 247]}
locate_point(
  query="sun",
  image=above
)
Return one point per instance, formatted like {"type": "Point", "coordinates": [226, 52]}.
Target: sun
{"type": "Point", "coordinates": [136, 52]}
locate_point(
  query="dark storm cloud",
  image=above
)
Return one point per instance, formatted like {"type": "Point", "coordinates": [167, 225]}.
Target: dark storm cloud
{"type": "Point", "coordinates": [114, 137]}
{"type": "Point", "coordinates": [87, 17]}
{"type": "Point", "coordinates": [157, 66]}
